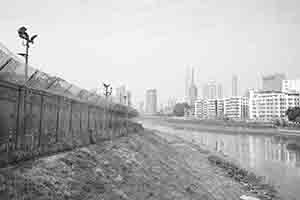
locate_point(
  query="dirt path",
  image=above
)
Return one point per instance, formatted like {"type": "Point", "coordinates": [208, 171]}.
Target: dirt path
{"type": "Point", "coordinates": [140, 166]}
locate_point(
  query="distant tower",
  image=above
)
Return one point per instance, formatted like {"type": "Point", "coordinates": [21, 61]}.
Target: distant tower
{"type": "Point", "coordinates": [273, 82]}
{"type": "Point", "coordinates": [210, 90]}
{"type": "Point", "coordinates": [220, 91]}
{"type": "Point", "coordinates": [151, 101]}
{"type": "Point", "coordinates": [187, 84]}
{"type": "Point", "coordinates": [141, 107]}
{"type": "Point", "coordinates": [205, 90]}
{"type": "Point", "coordinates": [128, 98]}
{"type": "Point", "coordinates": [234, 85]}
{"type": "Point", "coordinates": [120, 93]}
{"type": "Point", "coordinates": [193, 92]}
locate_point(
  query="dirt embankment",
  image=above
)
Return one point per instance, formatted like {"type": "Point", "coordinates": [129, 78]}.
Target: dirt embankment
{"type": "Point", "coordinates": [224, 127]}
{"type": "Point", "coordinates": [138, 166]}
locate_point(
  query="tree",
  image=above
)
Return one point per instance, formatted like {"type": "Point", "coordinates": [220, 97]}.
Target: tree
{"type": "Point", "coordinates": [293, 114]}
{"type": "Point", "coordinates": [179, 109]}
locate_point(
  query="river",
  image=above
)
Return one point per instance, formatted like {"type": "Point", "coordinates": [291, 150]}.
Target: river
{"type": "Point", "coordinates": [267, 156]}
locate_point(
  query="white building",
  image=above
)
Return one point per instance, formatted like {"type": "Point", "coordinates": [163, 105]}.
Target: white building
{"type": "Point", "coordinates": [220, 108]}
{"type": "Point", "coordinates": [270, 105]}
{"type": "Point", "coordinates": [291, 85]}
{"type": "Point", "coordinates": [211, 108]}
{"type": "Point", "coordinates": [201, 108]}
{"type": "Point", "coordinates": [236, 107]}
{"type": "Point", "coordinates": [232, 108]}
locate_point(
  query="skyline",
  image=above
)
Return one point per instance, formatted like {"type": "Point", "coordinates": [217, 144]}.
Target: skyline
{"type": "Point", "coordinates": [114, 41]}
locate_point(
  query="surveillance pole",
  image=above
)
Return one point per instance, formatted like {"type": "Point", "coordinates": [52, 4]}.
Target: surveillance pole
{"type": "Point", "coordinates": [107, 93]}
{"type": "Point", "coordinates": [27, 40]}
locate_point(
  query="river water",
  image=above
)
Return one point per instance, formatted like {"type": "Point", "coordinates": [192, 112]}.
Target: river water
{"type": "Point", "coordinates": [267, 156]}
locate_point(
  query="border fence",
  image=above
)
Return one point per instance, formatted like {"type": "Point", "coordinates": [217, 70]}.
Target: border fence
{"type": "Point", "coordinates": [34, 122]}
{"type": "Point", "coordinates": [47, 114]}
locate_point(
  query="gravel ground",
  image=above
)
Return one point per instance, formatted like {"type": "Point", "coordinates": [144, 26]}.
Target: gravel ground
{"type": "Point", "coordinates": [144, 165]}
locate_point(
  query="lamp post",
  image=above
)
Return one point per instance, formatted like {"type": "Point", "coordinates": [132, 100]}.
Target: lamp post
{"type": "Point", "coordinates": [27, 40]}
{"type": "Point", "coordinates": [107, 93]}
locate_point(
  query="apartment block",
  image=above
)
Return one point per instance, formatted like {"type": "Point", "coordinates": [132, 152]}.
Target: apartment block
{"type": "Point", "coordinates": [270, 105]}
{"type": "Point", "coordinates": [290, 86]}
{"type": "Point", "coordinates": [201, 108]}
{"type": "Point", "coordinates": [220, 108]}
{"type": "Point", "coordinates": [236, 107]}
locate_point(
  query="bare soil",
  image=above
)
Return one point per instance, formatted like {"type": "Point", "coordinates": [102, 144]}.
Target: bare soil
{"type": "Point", "coordinates": [143, 165]}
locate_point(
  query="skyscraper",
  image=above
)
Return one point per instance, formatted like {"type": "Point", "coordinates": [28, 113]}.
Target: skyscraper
{"type": "Point", "coordinates": [151, 101]}
{"type": "Point", "coordinates": [205, 91]}
{"type": "Point", "coordinates": [141, 107]}
{"type": "Point", "coordinates": [220, 91]}
{"type": "Point", "coordinates": [193, 92]}
{"type": "Point", "coordinates": [234, 89]}
{"type": "Point", "coordinates": [273, 82]}
{"type": "Point", "coordinates": [120, 93]}
{"type": "Point", "coordinates": [291, 85]}
{"type": "Point", "coordinates": [123, 96]}
{"type": "Point", "coordinates": [128, 98]}
{"type": "Point", "coordinates": [187, 84]}
{"type": "Point", "coordinates": [210, 90]}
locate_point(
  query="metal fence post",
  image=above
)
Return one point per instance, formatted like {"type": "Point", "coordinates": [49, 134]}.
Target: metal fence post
{"type": "Point", "coordinates": [70, 124]}
{"type": "Point", "coordinates": [18, 128]}
{"type": "Point", "coordinates": [57, 118]}
{"type": "Point", "coordinates": [41, 121]}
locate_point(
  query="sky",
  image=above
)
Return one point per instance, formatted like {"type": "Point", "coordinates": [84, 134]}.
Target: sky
{"type": "Point", "coordinates": [148, 44]}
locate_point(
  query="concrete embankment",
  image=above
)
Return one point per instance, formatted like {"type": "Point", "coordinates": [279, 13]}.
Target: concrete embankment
{"type": "Point", "coordinates": [143, 165]}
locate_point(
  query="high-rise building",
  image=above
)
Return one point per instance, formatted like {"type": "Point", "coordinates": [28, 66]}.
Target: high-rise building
{"type": "Point", "coordinates": [273, 82]}
{"type": "Point", "coordinates": [141, 107]}
{"type": "Point", "coordinates": [151, 101]}
{"type": "Point", "coordinates": [212, 108]}
{"type": "Point", "coordinates": [220, 108]}
{"type": "Point", "coordinates": [269, 105]}
{"type": "Point", "coordinates": [234, 86]}
{"type": "Point", "coordinates": [220, 91]}
{"type": "Point", "coordinates": [187, 84]}
{"type": "Point", "coordinates": [123, 96]}
{"type": "Point", "coordinates": [128, 98]}
{"type": "Point", "coordinates": [210, 90]}
{"type": "Point", "coordinates": [236, 107]}
{"type": "Point", "coordinates": [169, 107]}
{"type": "Point", "coordinates": [193, 92]}
{"type": "Point", "coordinates": [291, 85]}
{"type": "Point", "coordinates": [209, 108]}
{"type": "Point", "coordinates": [120, 93]}
{"type": "Point", "coordinates": [201, 108]}
{"type": "Point", "coordinates": [205, 91]}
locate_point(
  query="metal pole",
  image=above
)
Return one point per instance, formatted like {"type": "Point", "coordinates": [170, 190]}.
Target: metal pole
{"type": "Point", "coordinates": [26, 60]}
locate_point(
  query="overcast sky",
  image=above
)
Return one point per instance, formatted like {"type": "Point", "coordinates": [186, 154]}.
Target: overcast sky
{"type": "Point", "coordinates": [150, 43]}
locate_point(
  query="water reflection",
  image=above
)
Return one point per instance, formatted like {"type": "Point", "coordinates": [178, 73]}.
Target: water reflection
{"type": "Point", "coordinates": [267, 156]}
